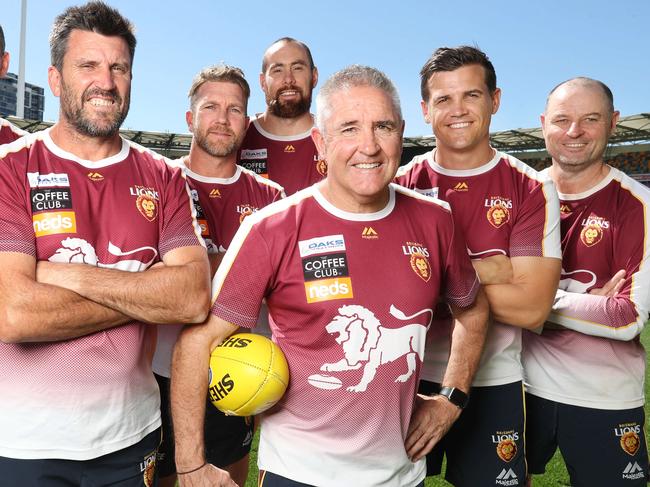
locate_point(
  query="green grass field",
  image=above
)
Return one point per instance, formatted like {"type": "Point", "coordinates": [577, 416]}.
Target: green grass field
{"type": "Point", "coordinates": [555, 476]}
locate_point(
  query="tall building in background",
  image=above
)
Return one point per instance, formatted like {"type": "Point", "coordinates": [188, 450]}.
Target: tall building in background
{"type": "Point", "coordinates": [34, 98]}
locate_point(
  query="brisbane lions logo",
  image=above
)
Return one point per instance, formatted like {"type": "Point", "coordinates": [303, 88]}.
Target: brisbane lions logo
{"type": "Point", "coordinates": [497, 215]}
{"type": "Point", "coordinates": [367, 344]}
{"type": "Point", "coordinates": [591, 235]}
{"type": "Point", "coordinates": [78, 251]}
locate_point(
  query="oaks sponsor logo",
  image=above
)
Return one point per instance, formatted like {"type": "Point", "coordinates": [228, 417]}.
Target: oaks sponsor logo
{"type": "Point", "coordinates": [50, 199]}
{"type": "Point", "coordinates": [253, 154]}
{"type": "Point", "coordinates": [418, 259]}
{"type": "Point", "coordinates": [506, 444]}
{"type": "Point", "coordinates": [49, 180]}
{"type": "Point", "coordinates": [54, 222]}
{"type": "Point", "coordinates": [592, 230]}
{"type": "Point", "coordinates": [321, 245]}
{"type": "Point", "coordinates": [498, 213]}
{"type": "Point", "coordinates": [629, 437]}
{"type": "Point", "coordinates": [430, 192]}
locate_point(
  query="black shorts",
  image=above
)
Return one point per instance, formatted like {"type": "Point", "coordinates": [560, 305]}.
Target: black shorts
{"type": "Point", "coordinates": [485, 446]}
{"type": "Point", "coordinates": [601, 448]}
{"type": "Point", "coordinates": [134, 466]}
{"type": "Point", "coordinates": [269, 479]}
{"type": "Point", "coordinates": [227, 438]}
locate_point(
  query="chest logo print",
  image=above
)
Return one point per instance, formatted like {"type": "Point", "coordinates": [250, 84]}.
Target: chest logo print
{"type": "Point", "coordinates": [498, 213]}
{"type": "Point", "coordinates": [370, 233]}
{"type": "Point", "coordinates": [419, 259]}
{"type": "Point", "coordinates": [244, 211]}
{"type": "Point", "coordinates": [147, 207]}
{"type": "Point", "coordinates": [289, 148]}
{"type": "Point", "coordinates": [95, 176]}
{"type": "Point", "coordinates": [461, 187]}
{"type": "Point", "coordinates": [367, 345]}
{"type": "Point", "coordinates": [592, 230]}
{"type": "Point", "coordinates": [321, 166]}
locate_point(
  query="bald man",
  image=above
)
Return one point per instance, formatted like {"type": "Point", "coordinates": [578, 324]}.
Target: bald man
{"type": "Point", "coordinates": [584, 373]}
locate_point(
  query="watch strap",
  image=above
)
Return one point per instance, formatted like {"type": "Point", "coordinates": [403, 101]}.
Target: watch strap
{"type": "Point", "coordinates": [455, 396]}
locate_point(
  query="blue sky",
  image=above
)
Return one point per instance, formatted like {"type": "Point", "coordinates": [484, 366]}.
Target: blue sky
{"type": "Point", "coordinates": [533, 45]}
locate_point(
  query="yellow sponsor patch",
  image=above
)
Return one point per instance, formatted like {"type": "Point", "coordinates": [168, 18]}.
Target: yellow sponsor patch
{"type": "Point", "coordinates": [328, 289]}
{"type": "Point", "coordinates": [55, 222]}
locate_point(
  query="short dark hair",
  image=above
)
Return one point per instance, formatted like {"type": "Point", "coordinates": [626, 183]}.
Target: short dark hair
{"type": "Point", "coordinates": [222, 73]}
{"type": "Point", "coordinates": [288, 40]}
{"type": "Point", "coordinates": [583, 80]}
{"type": "Point", "coordinates": [452, 58]}
{"type": "Point", "coordinates": [2, 41]}
{"type": "Point", "coordinates": [92, 17]}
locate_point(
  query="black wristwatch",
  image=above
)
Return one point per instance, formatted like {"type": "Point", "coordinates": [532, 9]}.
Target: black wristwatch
{"type": "Point", "coordinates": [456, 396]}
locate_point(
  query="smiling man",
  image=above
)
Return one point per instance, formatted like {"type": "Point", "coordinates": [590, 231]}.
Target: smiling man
{"type": "Point", "coordinates": [585, 372]}
{"type": "Point", "coordinates": [354, 337]}
{"type": "Point", "coordinates": [510, 218]}
{"type": "Point", "coordinates": [278, 144]}
{"type": "Point", "coordinates": [85, 216]}
{"type": "Point", "coordinates": [223, 194]}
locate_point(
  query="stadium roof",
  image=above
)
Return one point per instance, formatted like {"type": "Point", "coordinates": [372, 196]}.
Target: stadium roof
{"type": "Point", "coordinates": [634, 129]}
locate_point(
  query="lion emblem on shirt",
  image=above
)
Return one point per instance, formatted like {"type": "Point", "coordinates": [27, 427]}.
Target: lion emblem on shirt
{"type": "Point", "coordinates": [367, 344]}
{"type": "Point", "coordinates": [74, 250]}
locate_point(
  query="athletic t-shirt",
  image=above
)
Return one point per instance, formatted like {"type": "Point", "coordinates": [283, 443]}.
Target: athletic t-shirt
{"type": "Point", "coordinates": [292, 161]}
{"type": "Point", "coordinates": [595, 359]}
{"type": "Point", "coordinates": [221, 205]}
{"type": "Point", "coordinates": [503, 208]}
{"type": "Point", "coordinates": [82, 398]}
{"type": "Point", "coordinates": [9, 132]}
{"type": "Point", "coordinates": [350, 296]}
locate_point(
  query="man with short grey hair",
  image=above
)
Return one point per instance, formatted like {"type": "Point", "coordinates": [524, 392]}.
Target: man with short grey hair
{"type": "Point", "coordinates": [354, 335]}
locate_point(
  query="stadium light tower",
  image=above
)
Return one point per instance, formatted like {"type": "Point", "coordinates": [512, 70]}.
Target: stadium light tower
{"type": "Point", "coordinates": [20, 100]}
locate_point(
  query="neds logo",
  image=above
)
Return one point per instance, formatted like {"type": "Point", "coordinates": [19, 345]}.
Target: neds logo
{"type": "Point", "coordinates": [54, 223]}
{"type": "Point", "coordinates": [328, 289]}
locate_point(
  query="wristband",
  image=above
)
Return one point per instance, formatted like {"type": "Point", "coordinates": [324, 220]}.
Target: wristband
{"type": "Point", "coordinates": [193, 470]}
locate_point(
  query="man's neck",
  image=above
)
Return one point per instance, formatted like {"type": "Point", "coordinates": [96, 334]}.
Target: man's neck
{"type": "Point", "coordinates": [85, 147]}
{"type": "Point", "coordinates": [576, 182]}
{"type": "Point", "coordinates": [286, 126]}
{"type": "Point", "coordinates": [465, 159]}
{"type": "Point", "coordinates": [203, 164]}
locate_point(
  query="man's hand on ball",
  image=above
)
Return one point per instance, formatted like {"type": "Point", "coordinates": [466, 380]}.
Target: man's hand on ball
{"type": "Point", "coordinates": [431, 419]}
{"type": "Point", "coordinates": [206, 476]}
